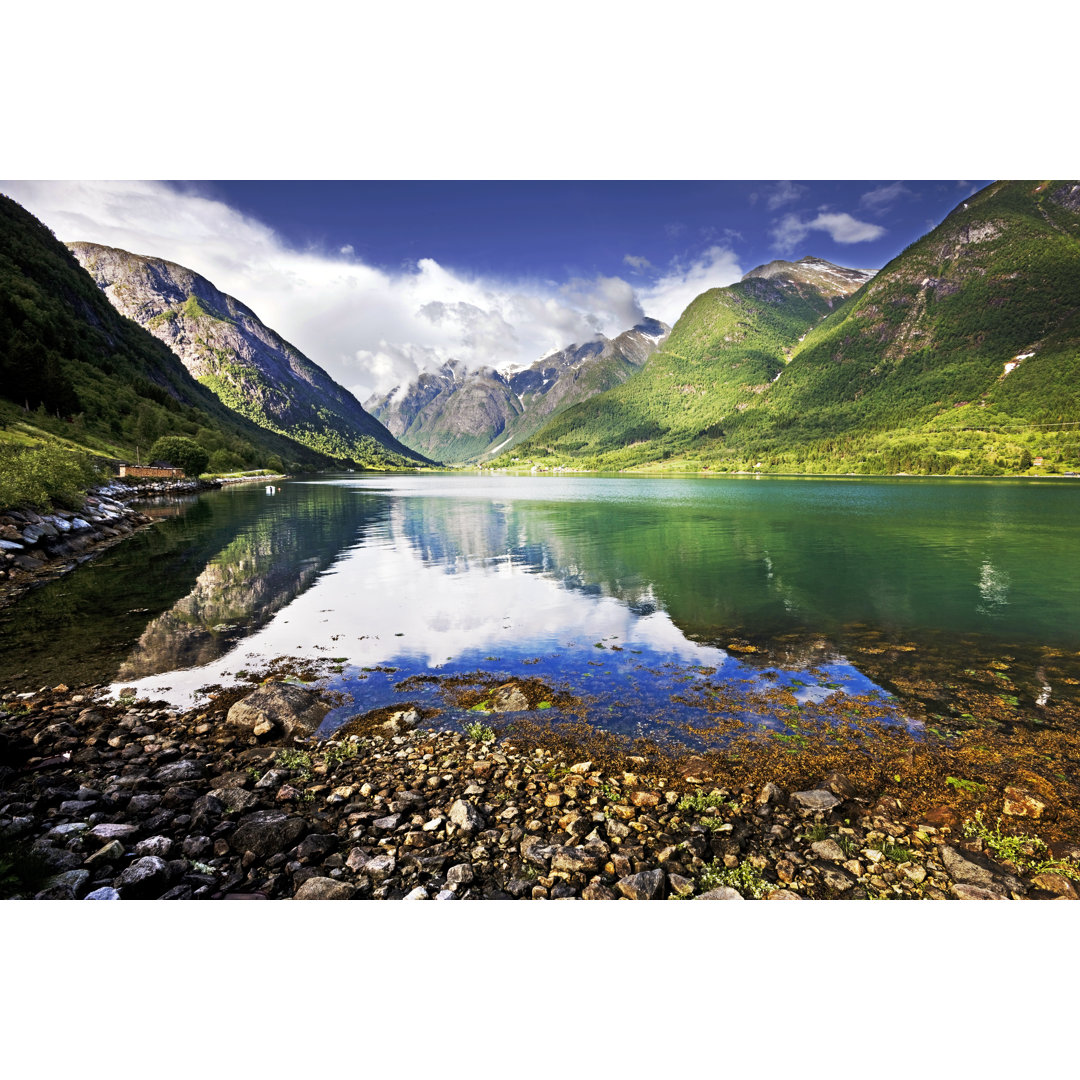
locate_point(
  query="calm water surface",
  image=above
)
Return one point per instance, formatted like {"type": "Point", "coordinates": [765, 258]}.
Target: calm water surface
{"type": "Point", "coordinates": [623, 589]}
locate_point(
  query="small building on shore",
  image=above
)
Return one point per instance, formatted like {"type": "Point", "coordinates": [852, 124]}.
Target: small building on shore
{"type": "Point", "coordinates": [157, 472]}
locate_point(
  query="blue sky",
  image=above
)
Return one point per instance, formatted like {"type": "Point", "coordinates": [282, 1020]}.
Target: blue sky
{"type": "Point", "coordinates": [563, 229]}
{"type": "Point", "coordinates": [377, 281]}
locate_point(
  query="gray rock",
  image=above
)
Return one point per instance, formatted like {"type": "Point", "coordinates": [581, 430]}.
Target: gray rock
{"type": "Point", "coordinates": [106, 893]}
{"type": "Point", "coordinates": [975, 892]}
{"type": "Point", "coordinates": [462, 874]}
{"type": "Point", "coordinates": [509, 698]}
{"type": "Point", "coordinates": [381, 867]}
{"type": "Point", "coordinates": [770, 793]}
{"type": "Point", "coordinates": [154, 845]}
{"type": "Point", "coordinates": [235, 799]}
{"type": "Point", "coordinates": [819, 799]}
{"type": "Point", "coordinates": [723, 893]}
{"type": "Point", "coordinates": [144, 878]}
{"type": "Point", "coordinates": [176, 772]}
{"type": "Point", "coordinates": [107, 832]}
{"type": "Point", "coordinates": [279, 708]}
{"type": "Point", "coordinates": [65, 886]}
{"type": "Point", "coordinates": [648, 885]}
{"type": "Point", "coordinates": [828, 849]}
{"type": "Point", "coordinates": [971, 868]}
{"type": "Point", "coordinates": [838, 880]}
{"type": "Point", "coordinates": [783, 894]}
{"type": "Point", "coordinates": [266, 832]}
{"type": "Point", "coordinates": [419, 893]}
{"type": "Point", "coordinates": [272, 778]}
{"type": "Point", "coordinates": [388, 823]}
{"type": "Point", "coordinates": [595, 891]}
{"type": "Point", "coordinates": [324, 888]}
{"type": "Point", "coordinates": [680, 886]}
{"type": "Point", "coordinates": [574, 861]}
{"type": "Point", "coordinates": [445, 894]}
{"type": "Point", "coordinates": [466, 817]}
{"type": "Point", "coordinates": [840, 785]}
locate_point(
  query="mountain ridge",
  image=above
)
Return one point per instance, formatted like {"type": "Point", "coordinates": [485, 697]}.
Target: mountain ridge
{"type": "Point", "coordinates": [249, 366]}
{"type": "Point", "coordinates": [462, 414]}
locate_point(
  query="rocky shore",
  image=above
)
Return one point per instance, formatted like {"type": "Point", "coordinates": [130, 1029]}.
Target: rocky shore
{"type": "Point", "coordinates": [37, 547]}
{"type": "Point", "coordinates": [240, 800]}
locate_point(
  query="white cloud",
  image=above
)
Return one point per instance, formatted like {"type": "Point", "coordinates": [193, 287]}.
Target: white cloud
{"type": "Point", "coordinates": [638, 262]}
{"type": "Point", "coordinates": [667, 298]}
{"type": "Point", "coordinates": [784, 192]}
{"type": "Point", "coordinates": [369, 328]}
{"type": "Point", "coordinates": [791, 230]}
{"type": "Point", "coordinates": [881, 198]}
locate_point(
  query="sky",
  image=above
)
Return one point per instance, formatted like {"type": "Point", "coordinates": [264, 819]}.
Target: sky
{"type": "Point", "coordinates": [376, 281]}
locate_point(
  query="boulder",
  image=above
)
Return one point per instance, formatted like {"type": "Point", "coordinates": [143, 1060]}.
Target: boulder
{"type": "Point", "coordinates": [279, 709]}
{"type": "Point", "coordinates": [267, 832]}
{"type": "Point", "coordinates": [144, 878]}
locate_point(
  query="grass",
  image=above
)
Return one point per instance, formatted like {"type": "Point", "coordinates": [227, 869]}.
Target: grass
{"type": "Point", "coordinates": [699, 802]}
{"type": "Point", "coordinates": [744, 878]}
{"type": "Point", "coordinates": [297, 760]}
{"type": "Point", "coordinates": [479, 732]}
{"type": "Point", "coordinates": [1021, 849]}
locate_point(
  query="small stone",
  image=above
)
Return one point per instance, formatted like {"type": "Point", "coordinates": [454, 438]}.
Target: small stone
{"type": "Point", "coordinates": [723, 893]}
{"type": "Point", "coordinates": [324, 888]}
{"type": "Point", "coordinates": [975, 892]}
{"type": "Point", "coordinates": [970, 868]}
{"type": "Point", "coordinates": [840, 785]}
{"type": "Point", "coordinates": [176, 772]}
{"type": "Point", "coordinates": [680, 886]}
{"type": "Point", "coordinates": [818, 799]}
{"type": "Point", "coordinates": [155, 845]}
{"type": "Point", "coordinates": [644, 798]}
{"type": "Point", "coordinates": [143, 878]}
{"type": "Point", "coordinates": [462, 874]}
{"type": "Point", "coordinates": [828, 849]}
{"type": "Point", "coordinates": [648, 885]}
{"type": "Point", "coordinates": [445, 894]}
{"type": "Point", "coordinates": [381, 867]}
{"type": "Point", "coordinates": [770, 793]}
{"type": "Point", "coordinates": [914, 872]}
{"type": "Point", "coordinates": [106, 893]}
{"type": "Point", "coordinates": [419, 893]}
{"type": "Point", "coordinates": [1056, 883]}
{"type": "Point", "coordinates": [108, 831]}
{"type": "Point", "coordinates": [596, 891]}
{"type": "Point", "coordinates": [581, 768]}
{"type": "Point", "coordinates": [466, 817]}
{"type": "Point", "coordinates": [1019, 802]}
{"type": "Point", "coordinates": [783, 894]}
{"type": "Point", "coordinates": [109, 852]}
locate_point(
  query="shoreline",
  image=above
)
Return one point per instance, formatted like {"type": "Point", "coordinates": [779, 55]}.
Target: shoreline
{"type": "Point", "coordinates": [237, 799]}
{"type": "Point", "coordinates": [37, 547]}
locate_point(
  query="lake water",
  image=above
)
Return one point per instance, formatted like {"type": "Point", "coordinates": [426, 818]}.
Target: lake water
{"type": "Point", "coordinates": [634, 593]}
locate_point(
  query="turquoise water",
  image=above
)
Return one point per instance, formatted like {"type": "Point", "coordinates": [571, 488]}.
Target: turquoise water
{"type": "Point", "coordinates": [621, 589]}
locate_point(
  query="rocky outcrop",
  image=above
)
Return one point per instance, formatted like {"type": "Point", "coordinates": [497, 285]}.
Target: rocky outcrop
{"type": "Point", "coordinates": [252, 369]}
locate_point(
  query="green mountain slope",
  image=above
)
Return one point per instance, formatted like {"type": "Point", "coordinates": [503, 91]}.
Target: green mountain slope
{"type": "Point", "coordinates": [250, 367]}
{"type": "Point", "coordinates": [75, 370]}
{"type": "Point", "coordinates": [723, 353]}
{"type": "Point", "coordinates": [961, 356]}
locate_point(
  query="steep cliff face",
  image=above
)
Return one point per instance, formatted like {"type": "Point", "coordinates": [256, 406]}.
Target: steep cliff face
{"type": "Point", "coordinates": [252, 369]}
{"type": "Point", "coordinates": [459, 415]}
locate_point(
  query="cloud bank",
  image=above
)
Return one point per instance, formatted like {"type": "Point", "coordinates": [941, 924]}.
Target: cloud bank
{"type": "Point", "coordinates": [369, 327]}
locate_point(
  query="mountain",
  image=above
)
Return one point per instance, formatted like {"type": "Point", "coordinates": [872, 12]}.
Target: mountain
{"type": "Point", "coordinates": [74, 370]}
{"type": "Point", "coordinates": [252, 369]}
{"type": "Point", "coordinates": [961, 356]}
{"type": "Point", "coordinates": [455, 414]}
{"type": "Point", "coordinates": [724, 351]}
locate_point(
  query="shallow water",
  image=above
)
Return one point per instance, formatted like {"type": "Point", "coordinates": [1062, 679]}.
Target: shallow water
{"type": "Point", "coordinates": [623, 590]}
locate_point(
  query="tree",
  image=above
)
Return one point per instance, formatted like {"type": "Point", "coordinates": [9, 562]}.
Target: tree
{"type": "Point", "coordinates": [183, 453]}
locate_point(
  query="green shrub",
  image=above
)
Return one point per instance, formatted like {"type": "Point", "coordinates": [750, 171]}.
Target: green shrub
{"type": "Point", "coordinates": [43, 475]}
{"type": "Point", "coordinates": [183, 453]}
